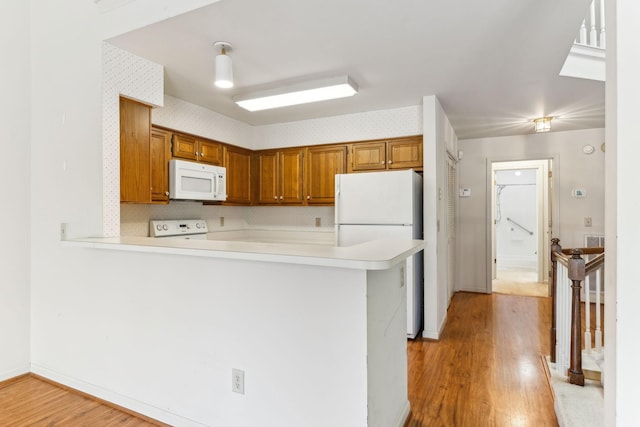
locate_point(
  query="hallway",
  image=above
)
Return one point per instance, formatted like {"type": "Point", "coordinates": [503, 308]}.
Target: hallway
{"type": "Point", "coordinates": [486, 370]}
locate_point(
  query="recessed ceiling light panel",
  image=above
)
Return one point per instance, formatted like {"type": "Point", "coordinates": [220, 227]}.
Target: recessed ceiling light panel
{"type": "Point", "coordinates": [301, 93]}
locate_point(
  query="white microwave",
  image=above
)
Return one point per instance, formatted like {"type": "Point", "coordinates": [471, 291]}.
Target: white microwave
{"type": "Point", "coordinates": [196, 181]}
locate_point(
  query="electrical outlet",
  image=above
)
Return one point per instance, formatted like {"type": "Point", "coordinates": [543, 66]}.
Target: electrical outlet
{"type": "Point", "coordinates": [587, 221]}
{"type": "Point", "coordinates": [221, 221]}
{"type": "Point", "coordinates": [237, 381]}
{"type": "Point", "coordinates": [318, 222]}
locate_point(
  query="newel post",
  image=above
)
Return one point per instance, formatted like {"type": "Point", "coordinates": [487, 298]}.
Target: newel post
{"type": "Point", "coordinates": [576, 275]}
{"type": "Point", "coordinates": [555, 247]}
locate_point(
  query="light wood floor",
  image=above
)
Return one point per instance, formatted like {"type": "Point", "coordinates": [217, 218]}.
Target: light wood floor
{"type": "Point", "coordinates": [486, 370]}
{"type": "Point", "coordinates": [29, 401]}
{"type": "Point", "coordinates": [519, 282]}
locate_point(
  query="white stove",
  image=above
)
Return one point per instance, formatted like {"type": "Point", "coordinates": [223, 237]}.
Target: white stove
{"type": "Point", "coordinates": [180, 228]}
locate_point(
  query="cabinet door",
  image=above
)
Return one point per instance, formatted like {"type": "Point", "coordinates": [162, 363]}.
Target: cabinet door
{"type": "Point", "coordinates": [210, 152]}
{"type": "Point", "coordinates": [291, 177]}
{"type": "Point", "coordinates": [368, 156]}
{"type": "Point", "coordinates": [184, 147]}
{"type": "Point", "coordinates": [267, 174]}
{"type": "Point", "coordinates": [238, 163]}
{"type": "Point", "coordinates": [322, 165]}
{"type": "Point", "coordinates": [160, 156]}
{"type": "Point", "coordinates": [405, 153]}
{"type": "Point", "coordinates": [135, 136]}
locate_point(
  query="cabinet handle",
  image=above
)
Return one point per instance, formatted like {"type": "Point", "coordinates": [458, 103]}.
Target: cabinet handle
{"type": "Point", "coordinates": [166, 193]}
{"type": "Point", "coordinates": [275, 197]}
{"type": "Point", "coordinates": [308, 197]}
{"type": "Point", "coordinates": [195, 154]}
{"type": "Point", "coordinates": [390, 162]}
{"type": "Point", "coordinates": [281, 197]}
{"type": "Point", "coordinates": [382, 162]}
{"type": "Point", "coordinates": [202, 154]}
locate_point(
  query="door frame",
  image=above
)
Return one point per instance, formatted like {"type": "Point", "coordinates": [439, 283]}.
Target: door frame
{"type": "Point", "coordinates": [547, 202]}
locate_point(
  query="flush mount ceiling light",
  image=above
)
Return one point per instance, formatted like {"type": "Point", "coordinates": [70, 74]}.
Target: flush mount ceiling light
{"type": "Point", "coordinates": [300, 93]}
{"type": "Point", "coordinates": [542, 124]}
{"type": "Point", "coordinates": [223, 66]}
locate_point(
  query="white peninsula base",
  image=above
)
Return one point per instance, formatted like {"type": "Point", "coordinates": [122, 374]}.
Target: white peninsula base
{"type": "Point", "coordinates": [319, 344]}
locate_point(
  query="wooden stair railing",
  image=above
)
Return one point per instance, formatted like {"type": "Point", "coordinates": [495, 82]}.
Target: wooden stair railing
{"type": "Point", "coordinates": [576, 272]}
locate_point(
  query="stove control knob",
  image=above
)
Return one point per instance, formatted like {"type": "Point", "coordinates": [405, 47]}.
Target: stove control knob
{"type": "Point", "coordinates": [165, 227]}
{"type": "Point", "coordinates": [198, 225]}
{"type": "Point", "coordinates": [158, 227]}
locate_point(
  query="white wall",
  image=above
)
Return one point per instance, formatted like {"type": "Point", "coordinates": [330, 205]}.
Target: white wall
{"type": "Point", "coordinates": [623, 233]}
{"type": "Point", "coordinates": [187, 117]}
{"type": "Point", "coordinates": [15, 173]}
{"type": "Point", "coordinates": [572, 169]}
{"type": "Point", "coordinates": [437, 140]}
{"type": "Point", "coordinates": [349, 127]}
{"type": "Point", "coordinates": [611, 206]}
{"type": "Point", "coordinates": [517, 200]}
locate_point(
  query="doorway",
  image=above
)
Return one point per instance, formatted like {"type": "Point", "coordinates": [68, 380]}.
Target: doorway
{"type": "Point", "coordinates": [520, 200]}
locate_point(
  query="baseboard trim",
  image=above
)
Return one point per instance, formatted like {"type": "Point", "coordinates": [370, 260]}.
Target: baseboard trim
{"type": "Point", "coordinates": [13, 374]}
{"type": "Point", "coordinates": [404, 416]}
{"type": "Point", "coordinates": [10, 381]}
{"type": "Point", "coordinates": [126, 404]}
{"type": "Point", "coordinates": [99, 400]}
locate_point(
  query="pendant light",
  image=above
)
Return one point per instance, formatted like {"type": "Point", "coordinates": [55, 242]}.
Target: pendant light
{"type": "Point", "coordinates": [223, 66]}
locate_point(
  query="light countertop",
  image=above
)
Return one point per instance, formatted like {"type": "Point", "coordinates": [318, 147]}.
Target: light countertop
{"type": "Point", "coordinates": [373, 255]}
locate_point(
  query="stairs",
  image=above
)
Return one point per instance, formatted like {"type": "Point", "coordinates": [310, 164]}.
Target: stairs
{"type": "Point", "coordinates": [575, 405]}
{"type": "Point", "coordinates": [593, 365]}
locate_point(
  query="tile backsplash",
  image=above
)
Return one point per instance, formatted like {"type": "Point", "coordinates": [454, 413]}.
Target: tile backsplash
{"type": "Point", "coordinates": [134, 218]}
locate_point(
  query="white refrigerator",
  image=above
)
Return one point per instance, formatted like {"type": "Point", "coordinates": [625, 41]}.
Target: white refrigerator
{"type": "Point", "coordinates": [381, 205]}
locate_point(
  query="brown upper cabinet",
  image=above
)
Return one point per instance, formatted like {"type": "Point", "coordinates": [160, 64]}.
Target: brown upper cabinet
{"type": "Point", "coordinates": [279, 176]}
{"type": "Point", "coordinates": [135, 155]}
{"type": "Point", "coordinates": [238, 163]}
{"type": "Point", "coordinates": [160, 156]}
{"type": "Point", "coordinates": [322, 165]}
{"type": "Point", "coordinates": [189, 147]}
{"type": "Point", "coordinates": [397, 153]}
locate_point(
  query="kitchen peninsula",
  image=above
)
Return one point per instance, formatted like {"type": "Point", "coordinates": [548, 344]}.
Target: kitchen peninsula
{"type": "Point", "coordinates": [319, 331]}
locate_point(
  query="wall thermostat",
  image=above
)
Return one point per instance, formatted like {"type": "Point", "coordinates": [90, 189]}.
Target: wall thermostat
{"type": "Point", "coordinates": [579, 193]}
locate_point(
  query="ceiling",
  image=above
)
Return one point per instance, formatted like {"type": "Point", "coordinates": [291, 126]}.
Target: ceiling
{"type": "Point", "coordinates": [493, 64]}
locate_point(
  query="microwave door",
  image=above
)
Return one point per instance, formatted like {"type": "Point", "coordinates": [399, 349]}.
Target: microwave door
{"type": "Point", "coordinates": [196, 185]}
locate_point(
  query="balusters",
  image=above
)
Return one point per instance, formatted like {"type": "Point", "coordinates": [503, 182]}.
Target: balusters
{"type": "Point", "coordinates": [583, 33]}
{"type": "Point", "coordinates": [603, 34]}
{"type": "Point", "coordinates": [598, 342]}
{"type": "Point", "coordinates": [597, 33]}
{"type": "Point", "coordinates": [593, 36]}
{"type": "Point", "coordinates": [587, 314]}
